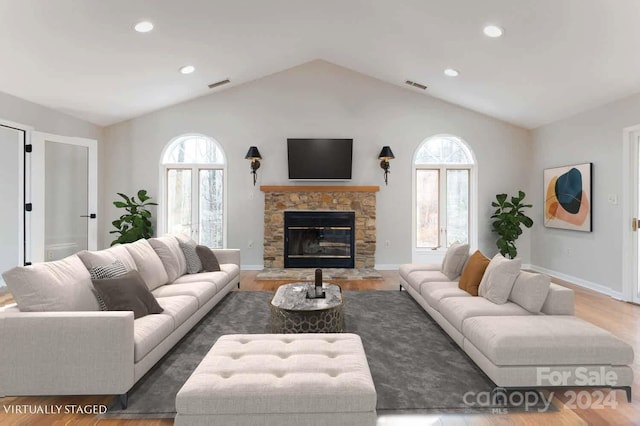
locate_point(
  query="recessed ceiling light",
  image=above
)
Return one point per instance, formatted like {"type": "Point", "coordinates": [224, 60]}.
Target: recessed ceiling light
{"type": "Point", "coordinates": [143, 26]}
{"type": "Point", "coordinates": [493, 31]}
{"type": "Point", "coordinates": [450, 72]}
{"type": "Point", "coordinates": [187, 69]}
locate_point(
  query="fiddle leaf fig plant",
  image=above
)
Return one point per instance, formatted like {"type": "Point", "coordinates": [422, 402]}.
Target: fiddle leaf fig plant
{"type": "Point", "coordinates": [508, 220]}
{"type": "Point", "coordinates": [135, 224]}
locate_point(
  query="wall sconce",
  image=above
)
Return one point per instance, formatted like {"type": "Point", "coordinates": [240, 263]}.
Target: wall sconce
{"type": "Point", "coordinates": [385, 155]}
{"type": "Point", "coordinates": [254, 155]}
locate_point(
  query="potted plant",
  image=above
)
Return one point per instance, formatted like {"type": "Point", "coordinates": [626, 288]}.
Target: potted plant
{"type": "Point", "coordinates": [135, 224]}
{"type": "Point", "coordinates": [508, 220]}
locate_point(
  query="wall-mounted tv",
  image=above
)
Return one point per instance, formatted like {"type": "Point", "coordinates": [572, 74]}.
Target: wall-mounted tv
{"type": "Point", "coordinates": [320, 159]}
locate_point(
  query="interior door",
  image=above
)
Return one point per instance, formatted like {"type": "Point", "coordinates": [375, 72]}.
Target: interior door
{"type": "Point", "coordinates": [64, 181]}
{"type": "Point", "coordinates": [12, 142]}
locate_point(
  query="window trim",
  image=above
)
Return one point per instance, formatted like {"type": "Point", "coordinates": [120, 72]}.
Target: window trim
{"type": "Point", "coordinates": [423, 254]}
{"type": "Point", "coordinates": [161, 224]}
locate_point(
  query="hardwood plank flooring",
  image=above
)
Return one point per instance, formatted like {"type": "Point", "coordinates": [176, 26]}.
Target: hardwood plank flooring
{"type": "Point", "coordinates": [618, 317]}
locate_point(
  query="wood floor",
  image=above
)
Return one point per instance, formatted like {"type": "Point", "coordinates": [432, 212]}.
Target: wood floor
{"type": "Point", "coordinates": [622, 319]}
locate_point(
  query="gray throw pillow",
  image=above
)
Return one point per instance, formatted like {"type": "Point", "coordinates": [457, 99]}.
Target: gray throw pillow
{"type": "Point", "coordinates": [111, 270]}
{"type": "Point", "coordinates": [208, 258]}
{"type": "Point", "coordinates": [127, 292]}
{"type": "Point", "coordinates": [194, 265]}
{"type": "Point", "coordinates": [530, 291]}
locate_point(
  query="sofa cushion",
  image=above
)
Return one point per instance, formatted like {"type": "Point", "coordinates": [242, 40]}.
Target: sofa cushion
{"type": "Point", "coordinates": [419, 277]}
{"type": "Point", "coordinates": [127, 292]}
{"type": "Point", "coordinates": [194, 265]}
{"type": "Point", "coordinates": [91, 259]}
{"type": "Point", "coordinates": [148, 332]}
{"type": "Point", "coordinates": [220, 278]}
{"type": "Point", "coordinates": [168, 250]}
{"type": "Point", "coordinates": [454, 260]}
{"type": "Point", "coordinates": [62, 285]}
{"type": "Point", "coordinates": [473, 273]}
{"type": "Point", "coordinates": [180, 308]}
{"type": "Point", "coordinates": [208, 259]}
{"type": "Point", "coordinates": [457, 309]}
{"type": "Point", "coordinates": [545, 340]}
{"type": "Point", "coordinates": [148, 263]}
{"type": "Point", "coordinates": [408, 268]}
{"type": "Point", "coordinates": [433, 293]}
{"type": "Point", "coordinates": [230, 268]}
{"type": "Point", "coordinates": [498, 279]}
{"type": "Point", "coordinates": [530, 291]}
{"type": "Point", "coordinates": [203, 291]}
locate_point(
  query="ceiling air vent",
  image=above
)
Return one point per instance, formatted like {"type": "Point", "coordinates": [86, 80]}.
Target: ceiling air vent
{"type": "Point", "coordinates": [219, 83]}
{"type": "Point", "coordinates": [414, 84]}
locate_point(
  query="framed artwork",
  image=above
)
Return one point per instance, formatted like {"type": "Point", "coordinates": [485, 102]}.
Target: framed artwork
{"type": "Point", "coordinates": [567, 197]}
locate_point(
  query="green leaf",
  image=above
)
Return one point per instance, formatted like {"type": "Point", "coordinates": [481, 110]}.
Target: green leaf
{"type": "Point", "coordinates": [120, 204]}
{"type": "Point", "coordinates": [501, 198]}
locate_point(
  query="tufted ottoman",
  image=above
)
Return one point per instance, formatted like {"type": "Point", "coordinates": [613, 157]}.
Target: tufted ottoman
{"type": "Point", "coordinates": [280, 380]}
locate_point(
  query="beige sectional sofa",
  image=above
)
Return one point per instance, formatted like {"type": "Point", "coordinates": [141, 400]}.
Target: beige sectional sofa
{"type": "Point", "coordinates": [518, 348]}
{"type": "Point", "coordinates": [59, 343]}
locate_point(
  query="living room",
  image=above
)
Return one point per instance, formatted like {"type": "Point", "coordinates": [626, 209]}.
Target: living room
{"type": "Point", "coordinates": [517, 114]}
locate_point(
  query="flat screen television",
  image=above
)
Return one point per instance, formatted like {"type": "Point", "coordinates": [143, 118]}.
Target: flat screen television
{"type": "Point", "coordinates": [319, 159]}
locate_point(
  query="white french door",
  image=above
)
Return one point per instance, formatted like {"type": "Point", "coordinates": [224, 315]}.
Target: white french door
{"type": "Point", "coordinates": [12, 215]}
{"type": "Point", "coordinates": [64, 182]}
{"type": "Point", "coordinates": [631, 214]}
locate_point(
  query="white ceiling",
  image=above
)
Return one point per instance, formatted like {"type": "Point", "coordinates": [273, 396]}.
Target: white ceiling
{"type": "Point", "coordinates": [557, 57]}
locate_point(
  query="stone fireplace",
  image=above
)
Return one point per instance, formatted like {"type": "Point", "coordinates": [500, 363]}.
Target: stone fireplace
{"type": "Point", "coordinates": [359, 201]}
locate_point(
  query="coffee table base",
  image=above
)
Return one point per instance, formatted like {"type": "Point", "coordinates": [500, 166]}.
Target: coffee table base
{"type": "Point", "coordinates": [323, 321]}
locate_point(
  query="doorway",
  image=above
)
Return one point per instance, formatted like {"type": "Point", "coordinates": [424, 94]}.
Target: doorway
{"type": "Point", "coordinates": [64, 180]}
{"type": "Point", "coordinates": [631, 214]}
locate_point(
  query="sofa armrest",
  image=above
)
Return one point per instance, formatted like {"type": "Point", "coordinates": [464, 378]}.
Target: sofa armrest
{"type": "Point", "coordinates": [227, 256]}
{"type": "Point", "coordinates": [559, 301]}
{"type": "Point", "coordinates": [66, 353]}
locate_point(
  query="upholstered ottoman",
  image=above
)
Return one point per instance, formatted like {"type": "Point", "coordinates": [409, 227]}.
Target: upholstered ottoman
{"type": "Point", "coordinates": [280, 380]}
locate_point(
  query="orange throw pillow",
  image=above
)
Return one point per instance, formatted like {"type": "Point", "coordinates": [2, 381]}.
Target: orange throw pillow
{"type": "Point", "coordinates": [473, 272]}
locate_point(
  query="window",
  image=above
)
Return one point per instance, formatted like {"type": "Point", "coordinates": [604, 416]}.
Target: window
{"type": "Point", "coordinates": [443, 175]}
{"type": "Point", "coordinates": [194, 189]}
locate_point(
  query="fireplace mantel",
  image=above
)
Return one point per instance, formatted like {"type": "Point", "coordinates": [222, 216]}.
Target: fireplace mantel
{"type": "Point", "coordinates": [318, 188]}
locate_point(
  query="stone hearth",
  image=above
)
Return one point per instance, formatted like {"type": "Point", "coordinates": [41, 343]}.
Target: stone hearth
{"type": "Point", "coordinates": [359, 199]}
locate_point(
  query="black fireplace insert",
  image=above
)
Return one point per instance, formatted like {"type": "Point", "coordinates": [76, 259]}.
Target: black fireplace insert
{"type": "Point", "coordinates": [319, 239]}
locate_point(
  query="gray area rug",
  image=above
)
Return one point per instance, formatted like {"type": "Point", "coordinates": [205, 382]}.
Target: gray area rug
{"type": "Point", "coordinates": [416, 367]}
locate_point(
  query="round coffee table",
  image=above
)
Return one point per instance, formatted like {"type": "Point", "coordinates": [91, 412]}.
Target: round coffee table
{"type": "Point", "coordinates": [293, 312]}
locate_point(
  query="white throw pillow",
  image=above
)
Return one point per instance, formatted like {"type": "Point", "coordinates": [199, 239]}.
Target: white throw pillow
{"type": "Point", "coordinates": [498, 279]}
{"type": "Point", "coordinates": [170, 253]}
{"type": "Point", "coordinates": [148, 264]}
{"type": "Point", "coordinates": [63, 285]}
{"type": "Point", "coordinates": [530, 291]}
{"type": "Point", "coordinates": [91, 259]}
{"type": "Point", "coordinates": [454, 260]}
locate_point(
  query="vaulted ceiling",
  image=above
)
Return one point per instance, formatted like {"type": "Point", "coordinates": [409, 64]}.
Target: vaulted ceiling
{"type": "Point", "coordinates": [556, 58]}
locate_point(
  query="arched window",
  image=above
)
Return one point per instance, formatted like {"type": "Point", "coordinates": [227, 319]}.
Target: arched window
{"type": "Point", "coordinates": [193, 168]}
{"type": "Point", "coordinates": [444, 169]}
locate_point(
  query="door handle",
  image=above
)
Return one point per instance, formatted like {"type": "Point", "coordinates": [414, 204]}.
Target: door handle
{"type": "Point", "coordinates": [90, 216]}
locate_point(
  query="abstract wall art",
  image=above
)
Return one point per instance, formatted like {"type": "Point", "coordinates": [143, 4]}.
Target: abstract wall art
{"type": "Point", "coordinates": [567, 202]}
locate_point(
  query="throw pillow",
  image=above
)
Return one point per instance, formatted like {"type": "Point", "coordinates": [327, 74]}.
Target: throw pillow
{"type": "Point", "coordinates": [194, 265]}
{"type": "Point", "coordinates": [208, 258]}
{"type": "Point", "coordinates": [111, 270]}
{"type": "Point", "coordinates": [473, 273]}
{"type": "Point", "coordinates": [148, 263]}
{"type": "Point", "coordinates": [169, 252]}
{"type": "Point", "coordinates": [530, 291]}
{"type": "Point", "coordinates": [127, 292]}
{"type": "Point", "coordinates": [498, 279]}
{"type": "Point", "coordinates": [454, 260]}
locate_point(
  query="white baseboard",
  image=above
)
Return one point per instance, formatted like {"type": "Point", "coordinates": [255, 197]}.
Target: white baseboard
{"type": "Point", "coordinates": [386, 267]}
{"type": "Point", "coordinates": [577, 281]}
{"type": "Point", "coordinates": [251, 267]}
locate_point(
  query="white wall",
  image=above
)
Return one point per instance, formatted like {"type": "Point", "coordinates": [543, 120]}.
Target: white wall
{"type": "Point", "coordinates": [595, 258]}
{"type": "Point", "coordinates": [318, 99]}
